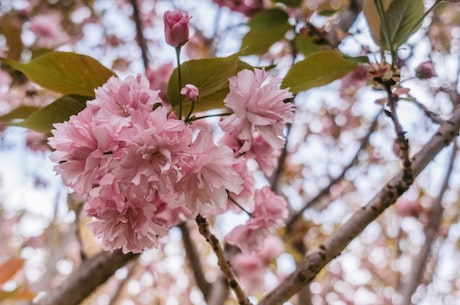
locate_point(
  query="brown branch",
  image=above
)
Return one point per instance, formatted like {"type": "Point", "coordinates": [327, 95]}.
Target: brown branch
{"type": "Point", "coordinates": [434, 117]}
{"type": "Point", "coordinates": [333, 246]}
{"type": "Point", "coordinates": [281, 160]}
{"type": "Point", "coordinates": [86, 278]}
{"type": "Point", "coordinates": [194, 261]}
{"type": "Point", "coordinates": [123, 283]}
{"type": "Point", "coordinates": [431, 232]}
{"type": "Point", "coordinates": [401, 139]}
{"type": "Point", "coordinates": [139, 34]}
{"type": "Point", "coordinates": [224, 265]}
{"type": "Point", "coordinates": [219, 291]}
{"type": "Point", "coordinates": [325, 191]}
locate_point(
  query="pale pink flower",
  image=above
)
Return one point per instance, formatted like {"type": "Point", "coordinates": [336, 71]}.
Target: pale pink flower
{"type": "Point", "coordinates": [207, 175]}
{"type": "Point", "coordinates": [159, 78]}
{"type": "Point", "coordinates": [154, 147]}
{"type": "Point", "coordinates": [258, 105]}
{"type": "Point", "coordinates": [83, 151]}
{"type": "Point", "coordinates": [264, 154]}
{"type": "Point", "coordinates": [250, 270]}
{"type": "Point", "coordinates": [176, 28]}
{"type": "Point", "coordinates": [272, 249]}
{"type": "Point", "coordinates": [123, 220]}
{"type": "Point", "coordinates": [37, 141]}
{"type": "Point", "coordinates": [245, 196]}
{"type": "Point", "coordinates": [246, 7]}
{"type": "Point", "coordinates": [190, 92]}
{"type": "Point", "coordinates": [48, 31]}
{"type": "Point", "coordinates": [270, 211]}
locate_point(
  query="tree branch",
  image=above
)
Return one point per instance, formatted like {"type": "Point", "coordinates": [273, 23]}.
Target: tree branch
{"type": "Point", "coordinates": [431, 232]}
{"type": "Point", "coordinates": [87, 277]}
{"type": "Point", "coordinates": [333, 246]}
{"type": "Point", "coordinates": [139, 34]}
{"type": "Point", "coordinates": [194, 260]}
{"type": "Point", "coordinates": [224, 265]}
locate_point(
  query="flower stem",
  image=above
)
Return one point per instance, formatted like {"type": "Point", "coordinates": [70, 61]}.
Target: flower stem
{"type": "Point", "coordinates": [209, 116]}
{"type": "Point", "coordinates": [179, 76]}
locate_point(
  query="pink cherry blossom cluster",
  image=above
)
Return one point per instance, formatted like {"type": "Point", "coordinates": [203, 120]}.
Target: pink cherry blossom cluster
{"type": "Point", "coordinates": [142, 170]}
{"type": "Point", "coordinates": [246, 7]}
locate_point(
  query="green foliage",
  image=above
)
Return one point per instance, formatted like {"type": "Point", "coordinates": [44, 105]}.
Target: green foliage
{"type": "Point", "coordinates": [21, 112]}
{"type": "Point", "coordinates": [308, 44]}
{"type": "Point", "coordinates": [318, 69]}
{"type": "Point", "coordinates": [292, 3]}
{"type": "Point", "coordinates": [392, 22]}
{"type": "Point", "coordinates": [210, 76]}
{"type": "Point", "coordinates": [60, 110]}
{"type": "Point", "coordinates": [65, 72]}
{"type": "Point", "coordinates": [266, 28]}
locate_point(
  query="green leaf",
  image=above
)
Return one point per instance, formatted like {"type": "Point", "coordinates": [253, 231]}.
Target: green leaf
{"type": "Point", "coordinates": [292, 3]}
{"type": "Point", "coordinates": [266, 28]}
{"type": "Point", "coordinates": [403, 18]}
{"type": "Point", "coordinates": [318, 69]}
{"type": "Point", "coordinates": [65, 72]}
{"type": "Point", "coordinates": [308, 44]}
{"type": "Point", "coordinates": [374, 14]}
{"type": "Point", "coordinates": [58, 111]}
{"type": "Point", "coordinates": [210, 76]}
{"type": "Point", "coordinates": [392, 22]}
{"type": "Point", "coordinates": [21, 112]}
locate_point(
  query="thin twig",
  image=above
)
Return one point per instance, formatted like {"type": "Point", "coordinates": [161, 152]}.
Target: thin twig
{"type": "Point", "coordinates": [401, 139]}
{"type": "Point", "coordinates": [282, 158]}
{"type": "Point", "coordinates": [434, 117]}
{"type": "Point", "coordinates": [431, 232]}
{"type": "Point", "coordinates": [194, 261]}
{"type": "Point", "coordinates": [325, 191]}
{"type": "Point", "coordinates": [336, 243]}
{"type": "Point", "coordinates": [224, 265]}
{"type": "Point", "coordinates": [140, 34]}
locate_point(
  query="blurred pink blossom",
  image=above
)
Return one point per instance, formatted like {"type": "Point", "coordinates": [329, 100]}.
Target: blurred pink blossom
{"type": "Point", "coordinates": [246, 7]}
{"type": "Point", "coordinates": [251, 270]}
{"type": "Point", "coordinates": [159, 78]}
{"type": "Point", "coordinates": [425, 70]}
{"type": "Point", "coordinates": [48, 31]}
{"type": "Point", "coordinates": [270, 211]}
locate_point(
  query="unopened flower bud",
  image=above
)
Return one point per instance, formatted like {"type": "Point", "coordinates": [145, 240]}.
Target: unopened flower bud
{"type": "Point", "coordinates": [190, 92]}
{"type": "Point", "coordinates": [176, 28]}
{"type": "Point", "coordinates": [425, 70]}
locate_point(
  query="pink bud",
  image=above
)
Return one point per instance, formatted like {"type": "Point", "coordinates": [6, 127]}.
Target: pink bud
{"type": "Point", "coordinates": [176, 28]}
{"type": "Point", "coordinates": [191, 92]}
{"type": "Point", "coordinates": [425, 70]}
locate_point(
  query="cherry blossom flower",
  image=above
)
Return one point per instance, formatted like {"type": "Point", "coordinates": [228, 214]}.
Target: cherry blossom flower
{"type": "Point", "coordinates": [258, 105]}
{"type": "Point", "coordinates": [48, 31]}
{"type": "Point", "coordinates": [246, 7]}
{"type": "Point", "coordinates": [190, 92]}
{"type": "Point", "coordinates": [208, 175]}
{"type": "Point", "coordinates": [176, 28]}
{"type": "Point", "coordinates": [159, 77]}
{"type": "Point", "coordinates": [270, 211]}
{"type": "Point", "coordinates": [123, 220]}
{"type": "Point", "coordinates": [251, 270]}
